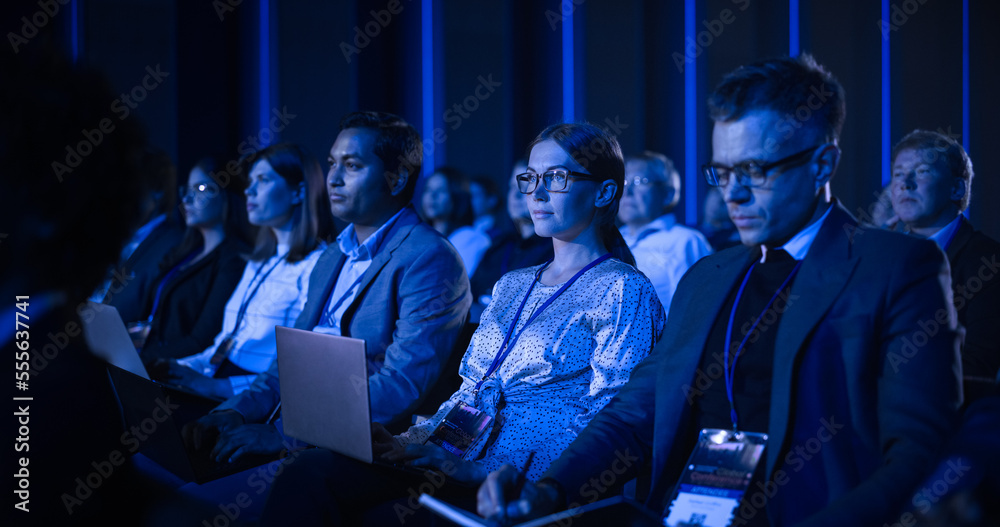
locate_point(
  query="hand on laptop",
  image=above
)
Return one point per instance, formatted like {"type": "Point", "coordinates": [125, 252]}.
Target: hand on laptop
{"type": "Point", "coordinates": [257, 438]}
{"type": "Point", "coordinates": [433, 457]}
{"type": "Point", "coordinates": [496, 502]}
{"type": "Point", "coordinates": [183, 376]}
{"type": "Point", "coordinates": [203, 432]}
{"type": "Point", "coordinates": [383, 440]}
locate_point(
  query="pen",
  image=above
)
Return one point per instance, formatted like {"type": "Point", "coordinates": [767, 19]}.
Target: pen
{"type": "Point", "coordinates": [518, 486]}
{"type": "Point", "coordinates": [522, 475]}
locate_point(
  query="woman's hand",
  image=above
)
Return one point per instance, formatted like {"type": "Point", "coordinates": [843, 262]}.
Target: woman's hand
{"type": "Point", "coordinates": [194, 381]}
{"type": "Point", "coordinates": [434, 457]}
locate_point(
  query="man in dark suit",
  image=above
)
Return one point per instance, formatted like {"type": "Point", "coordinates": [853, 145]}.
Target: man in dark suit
{"type": "Point", "coordinates": [841, 359]}
{"type": "Point", "coordinates": [390, 280]}
{"type": "Point", "coordinates": [931, 186]}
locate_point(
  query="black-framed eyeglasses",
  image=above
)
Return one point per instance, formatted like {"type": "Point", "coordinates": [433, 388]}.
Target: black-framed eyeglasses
{"type": "Point", "coordinates": [749, 173]}
{"type": "Point", "coordinates": [552, 180]}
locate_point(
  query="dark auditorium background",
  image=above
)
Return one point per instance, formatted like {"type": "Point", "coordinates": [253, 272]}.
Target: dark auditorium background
{"type": "Point", "coordinates": [480, 78]}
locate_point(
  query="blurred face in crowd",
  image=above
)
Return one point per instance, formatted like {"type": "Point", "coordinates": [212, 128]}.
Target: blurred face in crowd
{"type": "Point", "coordinates": [436, 199]}
{"type": "Point", "coordinates": [203, 201]}
{"type": "Point", "coordinates": [774, 212]}
{"type": "Point", "coordinates": [271, 201]}
{"type": "Point", "coordinates": [923, 191]}
{"type": "Point", "coordinates": [517, 203]}
{"type": "Point", "coordinates": [563, 215]}
{"type": "Point", "coordinates": [482, 201]}
{"type": "Point", "coordinates": [646, 191]}
{"type": "Point", "coordinates": [357, 183]}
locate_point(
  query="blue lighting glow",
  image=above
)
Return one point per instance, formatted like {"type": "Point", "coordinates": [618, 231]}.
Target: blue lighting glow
{"type": "Point", "coordinates": [793, 28]}
{"type": "Point", "coordinates": [965, 74]}
{"type": "Point", "coordinates": [264, 109]}
{"type": "Point", "coordinates": [690, 122]}
{"type": "Point", "coordinates": [568, 56]}
{"type": "Point", "coordinates": [74, 10]}
{"type": "Point", "coordinates": [427, 81]}
{"type": "Point", "coordinates": [886, 114]}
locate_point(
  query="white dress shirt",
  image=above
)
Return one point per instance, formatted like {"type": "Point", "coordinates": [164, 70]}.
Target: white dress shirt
{"type": "Point", "coordinates": [663, 251]}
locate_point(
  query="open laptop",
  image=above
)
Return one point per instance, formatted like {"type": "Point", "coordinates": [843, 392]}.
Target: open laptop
{"type": "Point", "coordinates": [107, 338]}
{"type": "Point", "coordinates": [324, 393]}
{"type": "Point", "coordinates": [154, 412]}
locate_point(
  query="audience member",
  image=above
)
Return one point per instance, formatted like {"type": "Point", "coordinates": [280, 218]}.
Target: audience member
{"type": "Point", "coordinates": [583, 321]}
{"type": "Point", "coordinates": [183, 311]}
{"type": "Point", "coordinates": [285, 199]}
{"type": "Point", "coordinates": [484, 195]}
{"type": "Point", "coordinates": [663, 249]}
{"type": "Point", "coordinates": [514, 249]}
{"type": "Point", "coordinates": [64, 230]}
{"type": "Point", "coordinates": [138, 267]}
{"type": "Point", "coordinates": [931, 186]}
{"type": "Point", "coordinates": [715, 223]}
{"type": "Point", "coordinates": [830, 363]}
{"type": "Point", "coordinates": [446, 205]}
{"type": "Point", "coordinates": [390, 280]}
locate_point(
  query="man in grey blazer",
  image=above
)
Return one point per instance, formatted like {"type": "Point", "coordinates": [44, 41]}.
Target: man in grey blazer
{"type": "Point", "coordinates": [390, 280]}
{"type": "Point", "coordinates": [851, 368]}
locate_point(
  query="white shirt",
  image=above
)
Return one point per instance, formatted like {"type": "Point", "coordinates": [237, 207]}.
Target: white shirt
{"type": "Point", "coordinates": [471, 245]}
{"type": "Point", "coordinates": [359, 259]}
{"type": "Point", "coordinates": [799, 245]}
{"type": "Point", "coordinates": [664, 251]}
{"type": "Point", "coordinates": [278, 302]}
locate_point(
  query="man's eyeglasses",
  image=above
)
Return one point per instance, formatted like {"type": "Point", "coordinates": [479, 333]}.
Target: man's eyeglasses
{"type": "Point", "coordinates": [552, 180]}
{"type": "Point", "coordinates": [749, 173]}
{"type": "Point", "coordinates": [641, 181]}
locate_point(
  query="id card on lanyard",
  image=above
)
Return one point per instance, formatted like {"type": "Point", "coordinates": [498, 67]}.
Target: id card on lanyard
{"type": "Point", "coordinates": [464, 424]}
{"type": "Point", "coordinates": [716, 477]}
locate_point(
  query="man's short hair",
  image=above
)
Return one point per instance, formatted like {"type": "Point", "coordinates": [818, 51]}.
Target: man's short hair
{"type": "Point", "coordinates": [397, 144]}
{"type": "Point", "coordinates": [934, 146]}
{"type": "Point", "coordinates": [663, 164]}
{"type": "Point", "coordinates": [797, 89]}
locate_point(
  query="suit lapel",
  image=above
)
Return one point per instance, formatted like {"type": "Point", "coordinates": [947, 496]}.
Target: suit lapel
{"type": "Point", "coordinates": [695, 318]}
{"type": "Point", "coordinates": [399, 231]}
{"type": "Point", "coordinates": [823, 275]}
{"type": "Point", "coordinates": [962, 237]}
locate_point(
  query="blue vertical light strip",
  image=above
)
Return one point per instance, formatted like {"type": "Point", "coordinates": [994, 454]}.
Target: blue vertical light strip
{"type": "Point", "coordinates": [264, 104]}
{"type": "Point", "coordinates": [886, 114]}
{"type": "Point", "coordinates": [965, 74]}
{"type": "Point", "coordinates": [965, 80]}
{"type": "Point", "coordinates": [74, 30]}
{"type": "Point", "coordinates": [793, 28]}
{"type": "Point", "coordinates": [690, 122]}
{"type": "Point", "coordinates": [568, 69]}
{"type": "Point", "coordinates": [427, 80]}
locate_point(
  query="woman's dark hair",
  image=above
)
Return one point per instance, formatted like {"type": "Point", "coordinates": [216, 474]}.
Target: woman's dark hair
{"type": "Point", "coordinates": [313, 221]}
{"type": "Point", "coordinates": [237, 225]}
{"type": "Point", "coordinates": [597, 151]}
{"type": "Point", "coordinates": [458, 192]}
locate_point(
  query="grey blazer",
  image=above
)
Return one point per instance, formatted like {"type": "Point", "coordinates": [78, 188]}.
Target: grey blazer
{"type": "Point", "coordinates": [412, 303]}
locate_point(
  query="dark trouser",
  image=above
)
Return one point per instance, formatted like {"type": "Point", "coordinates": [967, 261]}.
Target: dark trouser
{"type": "Point", "coordinates": [319, 487]}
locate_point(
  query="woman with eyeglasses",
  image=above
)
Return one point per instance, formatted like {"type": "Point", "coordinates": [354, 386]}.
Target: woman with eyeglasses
{"type": "Point", "coordinates": [554, 345]}
{"type": "Point", "coordinates": [183, 309]}
{"type": "Point", "coordinates": [286, 199]}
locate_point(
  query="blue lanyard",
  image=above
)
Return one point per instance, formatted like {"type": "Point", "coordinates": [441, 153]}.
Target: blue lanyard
{"type": "Point", "coordinates": [328, 314]}
{"type": "Point", "coordinates": [505, 349]}
{"type": "Point", "coordinates": [730, 371]}
{"type": "Point", "coordinates": [166, 278]}
{"type": "Point", "coordinates": [246, 300]}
